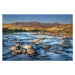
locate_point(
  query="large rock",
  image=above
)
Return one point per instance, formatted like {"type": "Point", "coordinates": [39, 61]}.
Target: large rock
{"type": "Point", "coordinates": [18, 51]}
{"type": "Point", "coordinates": [46, 47]}
{"type": "Point", "coordinates": [14, 53]}
{"type": "Point", "coordinates": [27, 47]}
{"type": "Point", "coordinates": [13, 48]}
{"type": "Point", "coordinates": [31, 51]}
{"type": "Point", "coordinates": [18, 46]}
{"type": "Point", "coordinates": [42, 37]}
{"type": "Point", "coordinates": [24, 51]}
{"type": "Point", "coordinates": [66, 45]}
{"type": "Point", "coordinates": [66, 39]}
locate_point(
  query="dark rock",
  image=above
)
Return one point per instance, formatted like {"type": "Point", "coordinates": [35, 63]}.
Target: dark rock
{"type": "Point", "coordinates": [46, 47]}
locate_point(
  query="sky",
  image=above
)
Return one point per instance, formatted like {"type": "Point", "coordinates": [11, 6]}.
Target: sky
{"type": "Point", "coordinates": [43, 18]}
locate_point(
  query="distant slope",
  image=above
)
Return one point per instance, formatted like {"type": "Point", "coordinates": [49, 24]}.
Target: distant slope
{"type": "Point", "coordinates": [67, 28]}
{"type": "Point", "coordinates": [36, 24]}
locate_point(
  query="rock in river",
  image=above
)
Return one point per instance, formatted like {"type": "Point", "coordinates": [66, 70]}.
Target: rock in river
{"type": "Point", "coordinates": [27, 47]}
{"type": "Point", "coordinates": [29, 50]}
{"type": "Point", "coordinates": [42, 37]}
{"type": "Point", "coordinates": [37, 41]}
{"type": "Point", "coordinates": [66, 45]}
{"type": "Point", "coordinates": [13, 48]}
{"type": "Point", "coordinates": [46, 47]}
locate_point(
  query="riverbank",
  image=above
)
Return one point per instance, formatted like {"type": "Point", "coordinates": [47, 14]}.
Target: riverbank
{"type": "Point", "coordinates": [59, 30]}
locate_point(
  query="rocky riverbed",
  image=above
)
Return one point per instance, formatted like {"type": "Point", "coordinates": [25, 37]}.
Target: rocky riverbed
{"type": "Point", "coordinates": [40, 46]}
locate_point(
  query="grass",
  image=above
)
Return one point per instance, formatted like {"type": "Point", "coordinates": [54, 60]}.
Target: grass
{"type": "Point", "coordinates": [8, 28]}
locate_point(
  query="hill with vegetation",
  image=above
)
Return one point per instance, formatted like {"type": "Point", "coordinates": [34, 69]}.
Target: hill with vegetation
{"type": "Point", "coordinates": [64, 28]}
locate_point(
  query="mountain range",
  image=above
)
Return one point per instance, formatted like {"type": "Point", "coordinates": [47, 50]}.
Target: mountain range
{"type": "Point", "coordinates": [36, 24]}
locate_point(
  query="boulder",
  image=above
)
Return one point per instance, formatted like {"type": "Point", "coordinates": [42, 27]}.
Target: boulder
{"type": "Point", "coordinates": [18, 44]}
{"type": "Point", "coordinates": [31, 51]}
{"type": "Point", "coordinates": [37, 43]}
{"type": "Point", "coordinates": [18, 51]}
{"type": "Point", "coordinates": [27, 47]}
{"type": "Point", "coordinates": [13, 48]}
{"type": "Point", "coordinates": [14, 53]}
{"type": "Point", "coordinates": [66, 45]}
{"type": "Point", "coordinates": [66, 39]}
{"type": "Point", "coordinates": [46, 47]}
{"type": "Point", "coordinates": [42, 37]}
{"type": "Point", "coordinates": [24, 51]}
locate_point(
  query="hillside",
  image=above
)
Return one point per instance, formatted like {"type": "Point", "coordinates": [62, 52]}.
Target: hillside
{"type": "Point", "coordinates": [36, 24]}
{"type": "Point", "coordinates": [66, 28]}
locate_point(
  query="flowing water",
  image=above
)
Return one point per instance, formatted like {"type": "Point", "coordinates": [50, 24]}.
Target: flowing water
{"type": "Point", "coordinates": [52, 54]}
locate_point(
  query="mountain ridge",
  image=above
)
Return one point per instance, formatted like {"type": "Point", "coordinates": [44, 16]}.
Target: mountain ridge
{"type": "Point", "coordinates": [36, 24]}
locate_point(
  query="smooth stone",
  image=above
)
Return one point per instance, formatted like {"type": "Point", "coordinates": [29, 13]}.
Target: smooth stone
{"type": "Point", "coordinates": [31, 51]}
{"type": "Point", "coordinates": [46, 47]}
{"type": "Point", "coordinates": [66, 45]}
{"type": "Point", "coordinates": [42, 37]}
{"type": "Point", "coordinates": [27, 47]}
{"type": "Point", "coordinates": [13, 48]}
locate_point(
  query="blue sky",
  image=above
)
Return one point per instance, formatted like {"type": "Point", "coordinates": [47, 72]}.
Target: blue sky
{"type": "Point", "coordinates": [43, 18]}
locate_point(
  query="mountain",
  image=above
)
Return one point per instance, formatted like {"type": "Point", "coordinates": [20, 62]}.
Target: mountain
{"type": "Point", "coordinates": [36, 24]}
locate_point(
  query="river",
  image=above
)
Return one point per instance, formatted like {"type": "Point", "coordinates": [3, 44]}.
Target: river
{"type": "Point", "coordinates": [52, 54]}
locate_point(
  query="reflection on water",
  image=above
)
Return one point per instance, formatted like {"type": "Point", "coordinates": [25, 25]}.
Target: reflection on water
{"type": "Point", "coordinates": [52, 54]}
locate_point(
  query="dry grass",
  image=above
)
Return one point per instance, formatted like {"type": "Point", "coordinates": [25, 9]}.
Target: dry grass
{"type": "Point", "coordinates": [68, 28]}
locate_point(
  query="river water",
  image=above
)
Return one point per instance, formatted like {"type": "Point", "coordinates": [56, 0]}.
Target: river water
{"type": "Point", "coordinates": [52, 54]}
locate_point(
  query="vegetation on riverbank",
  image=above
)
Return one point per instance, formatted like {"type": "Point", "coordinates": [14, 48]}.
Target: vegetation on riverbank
{"type": "Point", "coordinates": [67, 28]}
